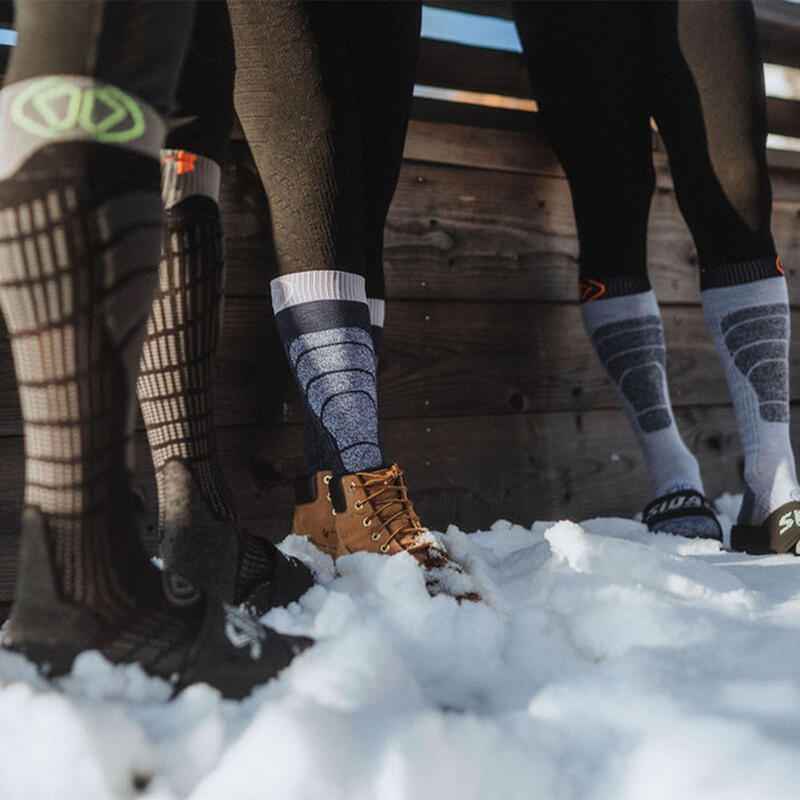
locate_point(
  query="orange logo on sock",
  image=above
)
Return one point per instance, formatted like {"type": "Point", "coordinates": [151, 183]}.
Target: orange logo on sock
{"type": "Point", "coordinates": [779, 265]}
{"type": "Point", "coordinates": [590, 290]}
{"type": "Point", "coordinates": [184, 159]}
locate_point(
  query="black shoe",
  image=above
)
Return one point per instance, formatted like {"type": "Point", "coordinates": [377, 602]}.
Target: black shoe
{"type": "Point", "coordinates": [220, 556]}
{"type": "Point", "coordinates": [178, 633]}
{"type": "Point", "coordinates": [779, 533]}
{"type": "Point", "coordinates": [684, 504]}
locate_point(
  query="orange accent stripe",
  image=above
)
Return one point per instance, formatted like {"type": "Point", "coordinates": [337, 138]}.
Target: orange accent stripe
{"type": "Point", "coordinates": [586, 289]}
{"type": "Point", "coordinates": [186, 161]}
{"type": "Point", "coordinates": [779, 265]}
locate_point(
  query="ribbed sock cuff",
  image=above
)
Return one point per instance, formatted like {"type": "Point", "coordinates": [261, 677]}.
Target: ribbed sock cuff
{"type": "Point", "coordinates": [55, 109]}
{"type": "Point", "coordinates": [591, 289]}
{"type": "Point", "coordinates": [740, 272]}
{"type": "Point", "coordinates": [377, 311]}
{"type": "Point", "coordinates": [312, 285]}
{"type": "Point", "coordinates": [184, 174]}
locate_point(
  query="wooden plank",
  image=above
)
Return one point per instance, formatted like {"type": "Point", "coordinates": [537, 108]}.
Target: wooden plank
{"type": "Point", "coordinates": [473, 69]}
{"type": "Point", "coordinates": [778, 24]}
{"type": "Point", "coordinates": [448, 359]}
{"type": "Point", "coordinates": [479, 69]}
{"type": "Point", "coordinates": [467, 471]}
{"type": "Point", "coordinates": [465, 233]}
{"type": "Point", "coordinates": [779, 31]}
{"type": "Point", "coordinates": [445, 359]}
{"type": "Point", "coordinates": [447, 140]}
{"type": "Point", "coordinates": [783, 116]}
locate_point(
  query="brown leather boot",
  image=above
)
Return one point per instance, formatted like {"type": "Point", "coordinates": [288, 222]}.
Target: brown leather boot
{"type": "Point", "coordinates": [377, 516]}
{"type": "Point", "coordinates": [314, 516]}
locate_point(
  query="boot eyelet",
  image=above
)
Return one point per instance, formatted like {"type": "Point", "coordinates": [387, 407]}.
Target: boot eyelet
{"type": "Point", "coordinates": [366, 522]}
{"type": "Point", "coordinates": [358, 505]}
{"type": "Point", "coordinates": [333, 512]}
{"type": "Point", "coordinates": [375, 537]}
{"type": "Point", "coordinates": [327, 479]}
{"type": "Point", "coordinates": [352, 486]}
{"type": "Point", "coordinates": [328, 495]}
{"type": "Point", "coordinates": [384, 548]}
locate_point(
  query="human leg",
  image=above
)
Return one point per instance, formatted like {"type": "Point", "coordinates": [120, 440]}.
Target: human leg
{"type": "Point", "coordinates": [709, 103]}
{"type": "Point", "coordinates": [81, 220]}
{"type": "Point", "coordinates": [586, 62]}
{"type": "Point", "coordinates": [201, 538]}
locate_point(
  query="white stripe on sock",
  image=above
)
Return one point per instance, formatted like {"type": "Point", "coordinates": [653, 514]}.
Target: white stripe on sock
{"type": "Point", "coordinates": [184, 174]}
{"type": "Point", "coordinates": [377, 311]}
{"type": "Point", "coordinates": [317, 284]}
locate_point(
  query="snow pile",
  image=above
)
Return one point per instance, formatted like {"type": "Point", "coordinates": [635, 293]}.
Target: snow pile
{"type": "Point", "coordinates": [607, 662]}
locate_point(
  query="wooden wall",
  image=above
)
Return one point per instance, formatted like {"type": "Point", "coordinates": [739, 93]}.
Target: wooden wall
{"type": "Point", "coordinates": [491, 398]}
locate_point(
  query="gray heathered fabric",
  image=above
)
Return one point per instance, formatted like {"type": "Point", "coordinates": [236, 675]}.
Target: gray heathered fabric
{"type": "Point", "coordinates": [629, 339]}
{"type": "Point", "coordinates": [336, 371]}
{"type": "Point", "coordinates": [750, 327]}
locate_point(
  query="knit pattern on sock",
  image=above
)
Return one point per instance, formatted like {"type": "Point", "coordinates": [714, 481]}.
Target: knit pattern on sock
{"type": "Point", "coordinates": [78, 246]}
{"type": "Point", "coordinates": [176, 379]}
{"type": "Point", "coordinates": [336, 372]}
{"type": "Point", "coordinates": [750, 324]}
{"type": "Point", "coordinates": [628, 336]}
{"type": "Point", "coordinates": [635, 357]}
{"type": "Point", "coordinates": [323, 321]}
{"type": "Point", "coordinates": [757, 339]}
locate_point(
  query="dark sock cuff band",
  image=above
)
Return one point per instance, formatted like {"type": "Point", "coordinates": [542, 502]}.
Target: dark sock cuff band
{"type": "Point", "coordinates": [740, 272]}
{"type": "Point", "coordinates": [591, 289]}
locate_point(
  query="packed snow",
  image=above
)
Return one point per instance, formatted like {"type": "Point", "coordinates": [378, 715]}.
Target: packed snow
{"type": "Point", "coordinates": [606, 662]}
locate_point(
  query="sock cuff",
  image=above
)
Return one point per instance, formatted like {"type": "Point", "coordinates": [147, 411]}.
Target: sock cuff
{"type": "Point", "coordinates": [41, 111]}
{"type": "Point", "coordinates": [318, 284]}
{"type": "Point", "coordinates": [740, 272]}
{"type": "Point", "coordinates": [592, 289]}
{"type": "Point", "coordinates": [618, 310]}
{"type": "Point", "coordinates": [185, 174]}
{"type": "Point", "coordinates": [377, 311]}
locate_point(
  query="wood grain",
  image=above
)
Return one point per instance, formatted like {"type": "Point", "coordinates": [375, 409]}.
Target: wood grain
{"type": "Point", "coordinates": [778, 24]}
{"type": "Point", "coordinates": [466, 471]}
{"type": "Point", "coordinates": [483, 70]}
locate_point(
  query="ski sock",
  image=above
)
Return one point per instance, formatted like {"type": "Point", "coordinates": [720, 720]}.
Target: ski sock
{"type": "Point", "coordinates": [314, 450]}
{"type": "Point", "coordinates": [198, 524]}
{"type": "Point", "coordinates": [377, 314]}
{"type": "Point", "coordinates": [749, 322]}
{"type": "Point", "coordinates": [79, 235]}
{"type": "Point", "coordinates": [628, 337]}
{"type": "Point", "coordinates": [323, 321]}
{"type": "Point", "coordinates": [176, 378]}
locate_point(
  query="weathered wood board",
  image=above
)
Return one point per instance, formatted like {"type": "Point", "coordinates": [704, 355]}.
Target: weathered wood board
{"type": "Point", "coordinates": [491, 398]}
{"type": "Point", "coordinates": [467, 471]}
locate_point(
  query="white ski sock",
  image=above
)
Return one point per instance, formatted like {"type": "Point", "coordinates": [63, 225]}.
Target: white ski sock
{"type": "Point", "coordinates": [628, 337]}
{"type": "Point", "coordinates": [750, 326]}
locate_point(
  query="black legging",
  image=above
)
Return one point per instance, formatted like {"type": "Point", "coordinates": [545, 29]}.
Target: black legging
{"type": "Point", "coordinates": [323, 92]}
{"type": "Point", "coordinates": [136, 46]}
{"type": "Point", "coordinates": [600, 70]}
{"type": "Point", "coordinates": [202, 117]}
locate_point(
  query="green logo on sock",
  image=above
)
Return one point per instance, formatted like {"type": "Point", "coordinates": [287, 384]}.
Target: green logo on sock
{"type": "Point", "coordinates": [52, 107]}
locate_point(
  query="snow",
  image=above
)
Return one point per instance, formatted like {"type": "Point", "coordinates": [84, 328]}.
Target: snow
{"type": "Point", "coordinates": [607, 662]}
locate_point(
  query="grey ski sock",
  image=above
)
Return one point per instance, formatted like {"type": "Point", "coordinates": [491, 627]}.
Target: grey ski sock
{"type": "Point", "coordinates": [176, 378]}
{"type": "Point", "coordinates": [628, 337]}
{"type": "Point", "coordinates": [80, 221]}
{"type": "Point", "coordinates": [750, 327]}
{"type": "Point", "coordinates": [324, 324]}
{"type": "Point", "coordinates": [176, 385]}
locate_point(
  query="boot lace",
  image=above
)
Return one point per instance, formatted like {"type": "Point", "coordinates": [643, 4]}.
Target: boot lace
{"type": "Point", "coordinates": [388, 496]}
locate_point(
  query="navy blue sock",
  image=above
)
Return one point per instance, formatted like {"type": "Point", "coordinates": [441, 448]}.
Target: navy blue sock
{"type": "Point", "coordinates": [324, 324]}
